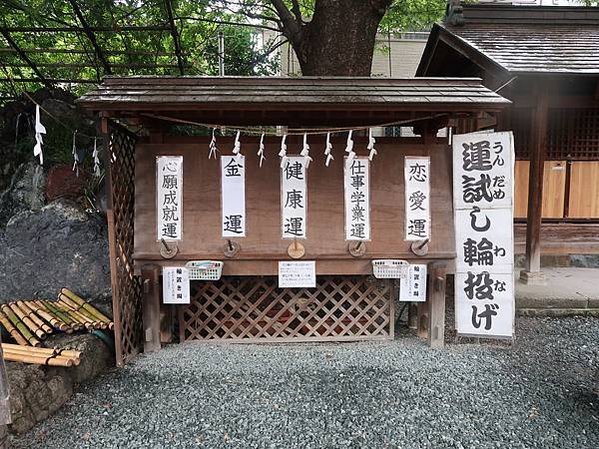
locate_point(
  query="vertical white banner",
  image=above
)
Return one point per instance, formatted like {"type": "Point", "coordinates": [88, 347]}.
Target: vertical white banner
{"type": "Point", "coordinates": [413, 288]}
{"type": "Point", "coordinates": [357, 198]}
{"type": "Point", "coordinates": [233, 196]}
{"type": "Point", "coordinates": [483, 167]}
{"type": "Point", "coordinates": [175, 285]}
{"type": "Point", "coordinates": [294, 197]}
{"type": "Point", "coordinates": [417, 191]}
{"type": "Point", "coordinates": [169, 197]}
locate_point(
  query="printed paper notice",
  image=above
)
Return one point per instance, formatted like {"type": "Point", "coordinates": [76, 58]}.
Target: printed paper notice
{"type": "Point", "coordinates": [297, 274]}
{"type": "Point", "coordinates": [413, 288]}
{"type": "Point", "coordinates": [175, 285]}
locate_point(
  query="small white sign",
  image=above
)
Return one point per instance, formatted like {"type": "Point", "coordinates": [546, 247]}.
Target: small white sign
{"type": "Point", "coordinates": [413, 288]}
{"type": "Point", "coordinates": [357, 198]}
{"type": "Point", "coordinates": [233, 196]}
{"type": "Point", "coordinates": [297, 274]}
{"type": "Point", "coordinates": [417, 191]}
{"type": "Point", "coordinates": [175, 285]}
{"type": "Point", "coordinates": [169, 197]}
{"type": "Point", "coordinates": [294, 197]}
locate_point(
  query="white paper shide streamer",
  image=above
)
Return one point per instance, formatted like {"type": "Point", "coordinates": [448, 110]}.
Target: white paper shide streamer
{"type": "Point", "coordinates": [306, 151]}
{"type": "Point", "coordinates": [349, 146]}
{"type": "Point", "coordinates": [283, 152]}
{"type": "Point", "coordinates": [212, 146]}
{"type": "Point", "coordinates": [261, 156]}
{"type": "Point", "coordinates": [96, 158]}
{"type": "Point", "coordinates": [237, 148]}
{"type": "Point", "coordinates": [327, 151]}
{"type": "Point", "coordinates": [75, 154]}
{"type": "Point", "coordinates": [39, 130]}
{"type": "Point", "coordinates": [371, 142]}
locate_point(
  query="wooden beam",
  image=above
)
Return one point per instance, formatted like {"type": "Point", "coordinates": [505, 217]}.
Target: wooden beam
{"type": "Point", "coordinates": [25, 58]}
{"type": "Point", "coordinates": [436, 309]}
{"type": "Point", "coordinates": [75, 29]}
{"type": "Point", "coordinates": [49, 80]}
{"type": "Point", "coordinates": [175, 35]}
{"type": "Point", "coordinates": [538, 151]}
{"type": "Point", "coordinates": [150, 276]}
{"type": "Point", "coordinates": [91, 36]}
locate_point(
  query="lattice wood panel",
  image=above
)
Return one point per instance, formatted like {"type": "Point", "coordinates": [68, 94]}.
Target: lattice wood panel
{"type": "Point", "coordinates": [126, 287]}
{"type": "Point", "coordinates": [254, 309]}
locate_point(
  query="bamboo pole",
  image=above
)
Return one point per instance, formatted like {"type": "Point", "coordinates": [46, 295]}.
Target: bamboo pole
{"type": "Point", "coordinates": [47, 352]}
{"type": "Point", "coordinates": [28, 321]}
{"type": "Point", "coordinates": [86, 322]}
{"type": "Point", "coordinates": [77, 310]}
{"type": "Point", "coordinates": [49, 305]}
{"type": "Point", "coordinates": [54, 321]}
{"type": "Point", "coordinates": [39, 359]}
{"type": "Point", "coordinates": [24, 306]}
{"type": "Point", "coordinates": [22, 328]}
{"type": "Point", "coordinates": [80, 301]}
{"type": "Point", "coordinates": [14, 333]}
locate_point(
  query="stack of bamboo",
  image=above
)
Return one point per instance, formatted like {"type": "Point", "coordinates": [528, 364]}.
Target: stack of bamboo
{"type": "Point", "coordinates": [40, 356]}
{"type": "Point", "coordinates": [30, 322]}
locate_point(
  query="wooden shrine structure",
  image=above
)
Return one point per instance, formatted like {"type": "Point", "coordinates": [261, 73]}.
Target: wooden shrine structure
{"type": "Point", "coordinates": [546, 60]}
{"type": "Point", "coordinates": [246, 303]}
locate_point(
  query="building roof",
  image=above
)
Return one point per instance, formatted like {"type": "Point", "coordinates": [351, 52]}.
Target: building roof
{"type": "Point", "coordinates": [142, 93]}
{"type": "Point", "coordinates": [523, 39]}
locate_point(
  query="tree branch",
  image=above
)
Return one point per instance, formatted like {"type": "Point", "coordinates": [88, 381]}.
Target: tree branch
{"type": "Point", "coordinates": [297, 12]}
{"type": "Point", "coordinates": [292, 29]}
{"type": "Point", "coordinates": [227, 22]}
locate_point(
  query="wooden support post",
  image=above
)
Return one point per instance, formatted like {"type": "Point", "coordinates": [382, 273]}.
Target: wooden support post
{"type": "Point", "coordinates": [532, 273]}
{"type": "Point", "coordinates": [423, 319]}
{"type": "Point", "coordinates": [167, 318]}
{"type": "Point", "coordinates": [151, 307]}
{"type": "Point", "coordinates": [436, 299]}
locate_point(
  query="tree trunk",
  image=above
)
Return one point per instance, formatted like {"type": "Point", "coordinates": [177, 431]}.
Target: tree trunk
{"type": "Point", "coordinates": [340, 38]}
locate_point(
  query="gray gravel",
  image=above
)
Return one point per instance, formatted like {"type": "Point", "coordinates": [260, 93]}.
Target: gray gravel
{"type": "Point", "coordinates": [540, 393]}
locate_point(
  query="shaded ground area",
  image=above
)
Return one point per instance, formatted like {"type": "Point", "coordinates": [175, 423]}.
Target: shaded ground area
{"type": "Point", "coordinates": [537, 394]}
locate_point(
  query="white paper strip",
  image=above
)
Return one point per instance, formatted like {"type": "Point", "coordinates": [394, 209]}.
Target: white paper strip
{"type": "Point", "coordinates": [233, 195]}
{"type": "Point", "coordinates": [301, 274]}
{"type": "Point", "coordinates": [294, 197]}
{"type": "Point", "coordinates": [483, 217]}
{"type": "Point", "coordinates": [175, 285]}
{"type": "Point", "coordinates": [413, 288]}
{"type": "Point", "coordinates": [39, 131]}
{"type": "Point", "coordinates": [169, 198]}
{"type": "Point", "coordinates": [357, 198]}
{"type": "Point", "coordinates": [417, 191]}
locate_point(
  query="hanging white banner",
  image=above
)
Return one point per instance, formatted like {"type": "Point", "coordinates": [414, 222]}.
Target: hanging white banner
{"type": "Point", "coordinates": [483, 174]}
{"type": "Point", "coordinates": [413, 287]}
{"type": "Point", "coordinates": [294, 197]}
{"type": "Point", "coordinates": [483, 170]}
{"type": "Point", "coordinates": [357, 198]}
{"type": "Point", "coordinates": [169, 197]}
{"type": "Point", "coordinates": [233, 195]}
{"type": "Point", "coordinates": [417, 191]}
{"type": "Point", "coordinates": [175, 285]}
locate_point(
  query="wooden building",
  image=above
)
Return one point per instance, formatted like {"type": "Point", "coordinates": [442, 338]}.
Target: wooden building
{"type": "Point", "coordinates": [546, 60]}
{"type": "Point", "coordinates": [246, 304]}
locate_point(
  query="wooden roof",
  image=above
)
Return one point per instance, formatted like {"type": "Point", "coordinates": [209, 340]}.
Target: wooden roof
{"type": "Point", "coordinates": [523, 39]}
{"type": "Point", "coordinates": [143, 93]}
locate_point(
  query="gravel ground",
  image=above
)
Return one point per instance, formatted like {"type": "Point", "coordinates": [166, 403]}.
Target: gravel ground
{"type": "Point", "coordinates": [540, 393]}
